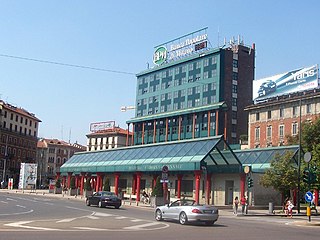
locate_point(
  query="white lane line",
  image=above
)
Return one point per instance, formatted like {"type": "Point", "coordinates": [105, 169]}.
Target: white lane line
{"type": "Point", "coordinates": [93, 217]}
{"type": "Point", "coordinates": [120, 217]}
{"type": "Point", "coordinates": [19, 213]}
{"type": "Point", "coordinates": [137, 220]}
{"type": "Point", "coordinates": [66, 220]}
{"type": "Point", "coordinates": [20, 206]}
{"type": "Point", "coordinates": [99, 214]}
{"type": "Point", "coordinates": [10, 199]}
{"type": "Point", "coordinates": [90, 229]}
{"type": "Point", "coordinates": [4, 202]}
{"type": "Point", "coordinates": [139, 227]}
{"type": "Point", "coordinates": [20, 225]}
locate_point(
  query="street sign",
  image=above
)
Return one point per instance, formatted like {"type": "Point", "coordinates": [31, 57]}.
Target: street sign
{"type": "Point", "coordinates": [165, 169]}
{"type": "Point", "coordinates": [307, 157]}
{"type": "Point", "coordinates": [309, 196]}
{"type": "Point", "coordinates": [164, 176]}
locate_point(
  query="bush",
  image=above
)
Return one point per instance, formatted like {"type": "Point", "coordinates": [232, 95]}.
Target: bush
{"type": "Point", "coordinates": [106, 185]}
{"type": "Point", "coordinates": [158, 189]}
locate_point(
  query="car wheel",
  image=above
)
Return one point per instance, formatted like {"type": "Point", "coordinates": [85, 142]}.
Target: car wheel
{"type": "Point", "coordinates": [87, 202]}
{"type": "Point", "coordinates": [183, 219]}
{"type": "Point", "coordinates": [117, 206]}
{"type": "Point", "coordinates": [100, 204]}
{"type": "Point", "coordinates": [158, 215]}
{"type": "Point", "coordinates": [208, 223]}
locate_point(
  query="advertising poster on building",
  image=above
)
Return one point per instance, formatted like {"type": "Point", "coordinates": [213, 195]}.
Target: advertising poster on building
{"type": "Point", "coordinates": [28, 175]}
{"type": "Point", "coordinates": [293, 81]}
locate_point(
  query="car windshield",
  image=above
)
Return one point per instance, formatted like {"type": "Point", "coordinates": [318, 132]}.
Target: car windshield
{"type": "Point", "coordinates": [107, 194]}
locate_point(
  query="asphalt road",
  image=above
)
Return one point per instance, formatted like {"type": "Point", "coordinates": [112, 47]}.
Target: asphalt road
{"type": "Point", "coordinates": [27, 216]}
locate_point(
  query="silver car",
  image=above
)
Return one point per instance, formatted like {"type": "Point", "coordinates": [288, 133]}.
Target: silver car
{"type": "Point", "coordinates": [186, 211]}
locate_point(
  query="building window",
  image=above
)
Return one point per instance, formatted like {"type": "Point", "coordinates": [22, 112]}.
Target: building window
{"type": "Point", "coordinates": [234, 102]}
{"type": "Point", "coordinates": [191, 67]}
{"type": "Point", "coordinates": [206, 62]}
{"type": "Point", "coordinates": [234, 76]}
{"type": "Point", "coordinates": [257, 134]}
{"type": "Point", "coordinates": [309, 108]}
{"type": "Point", "coordinates": [294, 111]}
{"type": "Point", "coordinates": [281, 112]}
{"type": "Point", "coordinates": [235, 63]}
{"type": "Point", "coordinates": [269, 132]}
{"type": "Point", "coordinates": [294, 129]}
{"type": "Point", "coordinates": [257, 116]}
{"type": "Point", "coordinates": [281, 131]}
{"type": "Point", "coordinates": [269, 114]}
{"type": "Point", "coordinates": [234, 88]}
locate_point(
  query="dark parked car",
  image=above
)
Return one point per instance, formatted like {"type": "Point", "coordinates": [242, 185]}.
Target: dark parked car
{"type": "Point", "coordinates": [267, 87]}
{"type": "Point", "coordinates": [103, 199]}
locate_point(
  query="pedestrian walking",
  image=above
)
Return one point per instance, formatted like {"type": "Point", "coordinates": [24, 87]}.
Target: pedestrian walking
{"type": "Point", "coordinates": [235, 206]}
{"type": "Point", "coordinates": [243, 202]}
{"type": "Point", "coordinates": [290, 207]}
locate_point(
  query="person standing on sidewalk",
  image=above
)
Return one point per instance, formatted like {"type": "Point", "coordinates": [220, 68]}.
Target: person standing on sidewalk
{"type": "Point", "coordinates": [236, 204]}
{"type": "Point", "coordinates": [290, 207]}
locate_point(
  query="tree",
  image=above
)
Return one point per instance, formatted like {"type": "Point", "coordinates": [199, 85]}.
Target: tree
{"type": "Point", "coordinates": [158, 189]}
{"type": "Point", "coordinates": [87, 185]}
{"type": "Point", "coordinates": [282, 175]}
{"type": "Point", "coordinates": [106, 185]}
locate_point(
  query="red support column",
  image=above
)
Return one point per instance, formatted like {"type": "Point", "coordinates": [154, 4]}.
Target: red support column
{"type": "Point", "coordinates": [64, 181]}
{"type": "Point", "coordinates": [82, 182]}
{"type": "Point", "coordinates": [208, 188]}
{"type": "Point", "coordinates": [154, 131]}
{"type": "Point", "coordinates": [97, 187]}
{"type": "Point", "coordinates": [132, 136]}
{"type": "Point", "coordinates": [127, 139]}
{"type": "Point", "coordinates": [242, 185]}
{"type": "Point", "coordinates": [316, 197]}
{"type": "Point", "coordinates": [116, 183]}
{"type": "Point", "coordinates": [165, 192]}
{"type": "Point", "coordinates": [179, 185]}
{"type": "Point", "coordinates": [209, 120]}
{"type": "Point", "coordinates": [58, 174]}
{"type": "Point", "coordinates": [142, 140]}
{"type": "Point", "coordinates": [154, 180]}
{"type": "Point", "coordinates": [134, 184]}
{"type": "Point", "coordinates": [77, 181]}
{"type": "Point", "coordinates": [69, 179]}
{"type": "Point", "coordinates": [197, 179]}
{"type": "Point", "coordinates": [138, 186]}
{"type": "Point", "coordinates": [217, 122]}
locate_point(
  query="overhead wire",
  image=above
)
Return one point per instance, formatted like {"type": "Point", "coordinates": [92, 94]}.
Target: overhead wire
{"type": "Point", "coordinates": [66, 64]}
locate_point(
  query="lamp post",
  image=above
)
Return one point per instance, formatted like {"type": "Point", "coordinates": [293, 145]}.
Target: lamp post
{"type": "Point", "coordinates": [299, 158]}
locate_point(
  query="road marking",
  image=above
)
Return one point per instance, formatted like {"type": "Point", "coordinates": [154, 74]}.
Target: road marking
{"type": "Point", "coordinates": [66, 220]}
{"type": "Point", "coordinates": [4, 202]}
{"type": "Point", "coordinates": [8, 214]}
{"type": "Point", "coordinates": [103, 214]}
{"type": "Point", "coordinates": [21, 225]}
{"type": "Point", "coordinates": [137, 220]}
{"type": "Point", "coordinates": [90, 229]}
{"type": "Point", "coordinates": [20, 206]}
{"type": "Point", "coordinates": [141, 226]}
{"type": "Point", "coordinates": [10, 199]}
{"type": "Point", "coordinates": [120, 217]}
{"type": "Point", "coordinates": [93, 217]}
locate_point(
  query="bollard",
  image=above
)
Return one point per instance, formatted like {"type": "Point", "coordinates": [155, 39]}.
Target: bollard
{"type": "Point", "coordinates": [309, 213]}
{"type": "Point", "coordinates": [271, 208]}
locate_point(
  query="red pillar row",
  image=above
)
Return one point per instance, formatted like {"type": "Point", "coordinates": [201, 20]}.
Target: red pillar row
{"type": "Point", "coordinates": [138, 186]}
{"type": "Point", "coordinates": [82, 182]}
{"type": "Point", "coordinates": [242, 185]}
{"type": "Point", "coordinates": [197, 180]}
{"type": "Point", "coordinates": [116, 183]}
{"type": "Point", "coordinates": [69, 179]}
{"type": "Point", "coordinates": [179, 185]}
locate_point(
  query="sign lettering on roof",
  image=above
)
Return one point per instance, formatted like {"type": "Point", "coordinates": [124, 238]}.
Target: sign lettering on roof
{"type": "Point", "coordinates": [101, 126]}
{"type": "Point", "coordinates": [181, 47]}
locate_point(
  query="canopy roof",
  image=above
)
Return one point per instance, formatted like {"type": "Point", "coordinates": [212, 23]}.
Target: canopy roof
{"type": "Point", "coordinates": [178, 156]}
{"type": "Point", "coordinates": [212, 154]}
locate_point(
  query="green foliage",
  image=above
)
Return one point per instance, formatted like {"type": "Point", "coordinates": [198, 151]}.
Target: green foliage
{"type": "Point", "coordinates": [106, 185]}
{"type": "Point", "coordinates": [158, 189]}
{"type": "Point", "coordinates": [58, 183]}
{"type": "Point", "coordinates": [73, 183]}
{"type": "Point", "coordinates": [282, 175]}
{"type": "Point", "coordinates": [87, 185]}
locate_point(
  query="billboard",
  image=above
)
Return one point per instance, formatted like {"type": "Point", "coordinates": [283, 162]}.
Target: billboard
{"type": "Point", "coordinates": [293, 81]}
{"type": "Point", "coordinates": [28, 175]}
{"type": "Point", "coordinates": [101, 126]}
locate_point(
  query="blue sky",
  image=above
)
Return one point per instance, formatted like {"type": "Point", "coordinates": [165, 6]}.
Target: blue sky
{"type": "Point", "coordinates": [120, 36]}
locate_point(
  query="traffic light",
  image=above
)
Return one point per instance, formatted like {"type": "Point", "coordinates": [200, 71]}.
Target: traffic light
{"type": "Point", "coordinates": [250, 182]}
{"type": "Point", "coordinates": [306, 176]}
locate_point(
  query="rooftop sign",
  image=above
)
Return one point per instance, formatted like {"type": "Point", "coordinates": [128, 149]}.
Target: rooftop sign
{"type": "Point", "coordinates": [181, 47]}
{"type": "Point", "coordinates": [101, 126]}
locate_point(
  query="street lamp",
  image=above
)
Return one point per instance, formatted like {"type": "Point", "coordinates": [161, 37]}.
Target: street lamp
{"type": "Point", "coordinates": [126, 108]}
{"type": "Point", "coordinates": [299, 157]}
